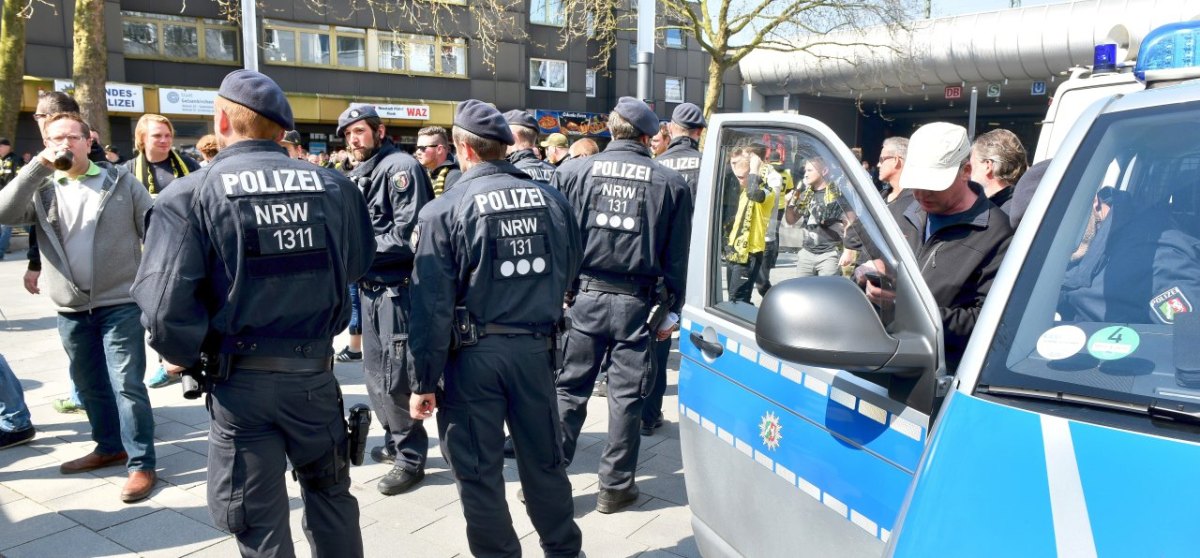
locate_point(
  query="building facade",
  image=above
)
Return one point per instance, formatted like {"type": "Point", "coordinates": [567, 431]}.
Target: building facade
{"type": "Point", "coordinates": [169, 57]}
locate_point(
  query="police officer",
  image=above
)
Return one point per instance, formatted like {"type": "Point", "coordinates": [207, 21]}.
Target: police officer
{"type": "Point", "coordinates": [396, 188]}
{"type": "Point", "coordinates": [635, 218]}
{"type": "Point", "coordinates": [683, 155]}
{"type": "Point", "coordinates": [495, 256]}
{"type": "Point", "coordinates": [520, 153]}
{"type": "Point", "coordinates": [249, 258]}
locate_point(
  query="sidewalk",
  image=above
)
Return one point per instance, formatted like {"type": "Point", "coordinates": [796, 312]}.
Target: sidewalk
{"type": "Point", "coordinates": [44, 513]}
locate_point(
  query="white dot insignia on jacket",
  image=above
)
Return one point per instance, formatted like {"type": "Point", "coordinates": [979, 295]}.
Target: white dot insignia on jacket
{"type": "Point", "coordinates": [400, 180]}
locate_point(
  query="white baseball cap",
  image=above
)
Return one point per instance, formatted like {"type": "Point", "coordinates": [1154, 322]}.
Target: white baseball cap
{"type": "Point", "coordinates": [935, 153]}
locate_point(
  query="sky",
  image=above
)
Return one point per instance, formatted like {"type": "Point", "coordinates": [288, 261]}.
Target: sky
{"type": "Point", "coordinates": [943, 8]}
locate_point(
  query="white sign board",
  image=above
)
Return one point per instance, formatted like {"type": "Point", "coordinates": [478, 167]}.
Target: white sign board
{"type": "Point", "coordinates": [400, 112]}
{"type": "Point", "coordinates": [186, 101]}
{"type": "Point", "coordinates": [122, 97]}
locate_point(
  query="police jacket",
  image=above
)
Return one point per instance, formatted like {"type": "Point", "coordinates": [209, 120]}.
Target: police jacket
{"type": "Point", "coordinates": [537, 169]}
{"type": "Point", "coordinates": [635, 216]}
{"type": "Point", "coordinates": [257, 248]}
{"type": "Point", "coordinates": [396, 187]}
{"type": "Point", "coordinates": [1139, 268]}
{"type": "Point", "coordinates": [683, 155]}
{"type": "Point", "coordinates": [503, 246]}
{"type": "Point", "coordinates": [958, 262]}
{"type": "Point", "coordinates": [443, 176]}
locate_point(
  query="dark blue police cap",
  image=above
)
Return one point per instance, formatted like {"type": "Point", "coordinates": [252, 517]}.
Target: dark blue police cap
{"type": "Point", "coordinates": [354, 114]}
{"type": "Point", "coordinates": [258, 93]}
{"type": "Point", "coordinates": [689, 116]}
{"type": "Point", "coordinates": [517, 117]}
{"type": "Point", "coordinates": [483, 120]}
{"type": "Point", "coordinates": [638, 114]}
{"type": "Point", "coordinates": [292, 136]}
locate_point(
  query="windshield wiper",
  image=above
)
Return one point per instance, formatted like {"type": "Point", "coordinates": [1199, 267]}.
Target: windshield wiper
{"type": "Point", "coordinates": [1164, 410]}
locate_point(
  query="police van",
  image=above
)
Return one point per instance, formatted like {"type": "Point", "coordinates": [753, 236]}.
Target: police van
{"type": "Point", "coordinates": [815, 423]}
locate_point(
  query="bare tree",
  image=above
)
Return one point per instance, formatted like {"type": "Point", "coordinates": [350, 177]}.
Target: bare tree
{"type": "Point", "coordinates": [90, 67]}
{"type": "Point", "coordinates": [12, 63]}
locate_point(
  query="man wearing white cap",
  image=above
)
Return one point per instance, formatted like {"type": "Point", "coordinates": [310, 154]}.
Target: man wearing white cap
{"type": "Point", "coordinates": [957, 234]}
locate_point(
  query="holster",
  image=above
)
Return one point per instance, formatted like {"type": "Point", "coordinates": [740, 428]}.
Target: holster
{"type": "Point", "coordinates": [358, 423]}
{"type": "Point", "coordinates": [465, 332]}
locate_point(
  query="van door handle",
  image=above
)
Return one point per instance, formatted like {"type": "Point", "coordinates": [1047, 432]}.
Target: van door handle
{"type": "Point", "coordinates": [711, 349]}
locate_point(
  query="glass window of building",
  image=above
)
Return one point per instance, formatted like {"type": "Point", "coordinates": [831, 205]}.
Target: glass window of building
{"type": "Point", "coordinates": [546, 12]}
{"type": "Point", "coordinates": [632, 54]}
{"type": "Point", "coordinates": [674, 90]}
{"type": "Point", "coordinates": [391, 55]}
{"type": "Point", "coordinates": [171, 37]}
{"type": "Point", "coordinates": [351, 48]}
{"type": "Point", "coordinates": [423, 54]}
{"type": "Point", "coordinates": [314, 49]}
{"type": "Point", "coordinates": [549, 75]}
{"type": "Point", "coordinates": [280, 45]}
{"type": "Point", "coordinates": [674, 38]}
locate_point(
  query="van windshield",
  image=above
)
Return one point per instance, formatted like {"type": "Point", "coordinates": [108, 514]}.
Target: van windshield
{"type": "Point", "coordinates": [1104, 310]}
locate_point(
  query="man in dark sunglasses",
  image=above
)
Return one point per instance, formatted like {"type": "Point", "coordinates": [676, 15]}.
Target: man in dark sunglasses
{"type": "Point", "coordinates": [433, 152]}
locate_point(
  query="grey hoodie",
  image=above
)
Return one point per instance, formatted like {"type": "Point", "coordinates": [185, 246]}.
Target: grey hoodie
{"type": "Point", "coordinates": [30, 199]}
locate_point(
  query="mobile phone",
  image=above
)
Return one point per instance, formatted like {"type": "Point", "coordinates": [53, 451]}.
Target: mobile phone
{"type": "Point", "coordinates": [877, 279]}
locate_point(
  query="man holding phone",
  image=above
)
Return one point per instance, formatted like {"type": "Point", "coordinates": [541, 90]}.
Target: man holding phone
{"type": "Point", "coordinates": [957, 234]}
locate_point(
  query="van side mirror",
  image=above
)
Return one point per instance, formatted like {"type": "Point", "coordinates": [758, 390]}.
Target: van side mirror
{"type": "Point", "coordinates": [828, 322]}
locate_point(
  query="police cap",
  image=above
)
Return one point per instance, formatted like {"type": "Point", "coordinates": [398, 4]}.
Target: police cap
{"type": "Point", "coordinates": [483, 120]}
{"type": "Point", "coordinates": [354, 114]}
{"type": "Point", "coordinates": [292, 137]}
{"type": "Point", "coordinates": [258, 93]}
{"type": "Point", "coordinates": [689, 116]}
{"type": "Point", "coordinates": [638, 114]}
{"type": "Point", "coordinates": [518, 117]}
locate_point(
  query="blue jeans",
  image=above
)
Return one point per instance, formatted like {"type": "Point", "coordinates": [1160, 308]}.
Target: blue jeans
{"type": "Point", "coordinates": [108, 363]}
{"type": "Point", "coordinates": [355, 311]}
{"type": "Point", "coordinates": [14, 415]}
{"type": "Point", "coordinates": [5, 238]}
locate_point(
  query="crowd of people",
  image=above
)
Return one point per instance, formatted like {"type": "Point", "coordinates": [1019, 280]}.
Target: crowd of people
{"type": "Point", "coordinates": [489, 275]}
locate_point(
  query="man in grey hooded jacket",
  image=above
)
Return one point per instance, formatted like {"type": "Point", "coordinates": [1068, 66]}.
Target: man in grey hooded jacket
{"type": "Point", "coordinates": [90, 224]}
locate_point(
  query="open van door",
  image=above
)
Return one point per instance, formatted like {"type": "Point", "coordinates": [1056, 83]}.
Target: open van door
{"type": "Point", "coordinates": [784, 459]}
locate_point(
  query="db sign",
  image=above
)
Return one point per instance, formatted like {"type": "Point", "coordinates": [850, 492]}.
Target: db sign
{"type": "Point", "coordinates": [954, 92]}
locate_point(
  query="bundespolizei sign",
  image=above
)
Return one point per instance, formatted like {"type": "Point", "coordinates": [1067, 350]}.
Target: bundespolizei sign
{"type": "Point", "coordinates": [122, 97]}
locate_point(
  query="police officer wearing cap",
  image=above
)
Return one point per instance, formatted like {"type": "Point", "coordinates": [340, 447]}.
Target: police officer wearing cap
{"type": "Point", "coordinates": [247, 260]}
{"type": "Point", "coordinates": [520, 153]}
{"type": "Point", "coordinates": [396, 188]}
{"type": "Point", "coordinates": [495, 255]}
{"type": "Point", "coordinates": [683, 153]}
{"type": "Point", "coordinates": [635, 218]}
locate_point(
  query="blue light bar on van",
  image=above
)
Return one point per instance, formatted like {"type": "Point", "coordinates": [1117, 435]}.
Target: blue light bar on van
{"type": "Point", "coordinates": [1170, 52]}
{"type": "Point", "coordinates": [1105, 59]}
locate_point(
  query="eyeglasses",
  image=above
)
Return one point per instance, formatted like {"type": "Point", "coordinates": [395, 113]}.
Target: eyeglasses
{"type": "Point", "coordinates": [424, 147]}
{"type": "Point", "coordinates": [40, 116]}
{"type": "Point", "coordinates": [883, 159]}
{"type": "Point", "coordinates": [73, 138]}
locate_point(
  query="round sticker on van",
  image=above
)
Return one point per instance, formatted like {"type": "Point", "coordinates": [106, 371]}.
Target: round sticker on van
{"type": "Point", "coordinates": [1061, 342]}
{"type": "Point", "coordinates": [1113, 342]}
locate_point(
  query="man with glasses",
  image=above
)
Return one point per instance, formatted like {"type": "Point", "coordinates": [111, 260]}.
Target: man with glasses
{"type": "Point", "coordinates": [997, 161]}
{"type": "Point", "coordinates": [91, 223]}
{"type": "Point", "coordinates": [433, 152]}
{"type": "Point", "coordinates": [891, 166]}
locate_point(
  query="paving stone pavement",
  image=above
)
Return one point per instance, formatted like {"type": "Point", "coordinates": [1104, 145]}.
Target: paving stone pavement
{"type": "Point", "coordinates": [43, 513]}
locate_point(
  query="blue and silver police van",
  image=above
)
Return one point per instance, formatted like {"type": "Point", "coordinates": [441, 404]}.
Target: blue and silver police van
{"type": "Point", "coordinates": [814, 423]}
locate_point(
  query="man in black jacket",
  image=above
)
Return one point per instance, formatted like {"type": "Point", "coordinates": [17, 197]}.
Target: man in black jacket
{"type": "Point", "coordinates": [957, 234]}
{"type": "Point", "coordinates": [396, 188]}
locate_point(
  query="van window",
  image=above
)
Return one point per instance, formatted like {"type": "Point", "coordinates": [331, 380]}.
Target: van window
{"type": "Point", "coordinates": [785, 207]}
{"type": "Point", "coordinates": [1104, 311]}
